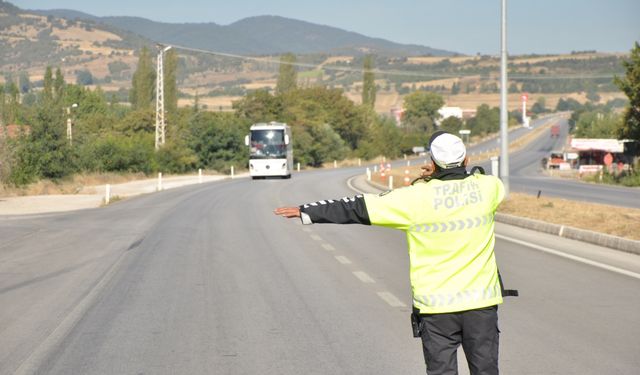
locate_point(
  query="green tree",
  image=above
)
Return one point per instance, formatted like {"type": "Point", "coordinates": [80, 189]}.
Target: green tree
{"type": "Point", "coordinates": [368, 83]}
{"type": "Point", "coordinates": [540, 106]}
{"type": "Point", "coordinates": [217, 140]}
{"type": "Point", "coordinates": [455, 88]}
{"type": "Point", "coordinates": [487, 120]}
{"type": "Point", "coordinates": [382, 139]}
{"type": "Point", "coordinates": [47, 91]}
{"type": "Point", "coordinates": [84, 77]}
{"type": "Point", "coordinates": [45, 152]}
{"type": "Point", "coordinates": [11, 103]}
{"type": "Point", "coordinates": [58, 84]}
{"type": "Point", "coordinates": [319, 105]}
{"type": "Point", "coordinates": [143, 82]}
{"type": "Point", "coordinates": [288, 74]}
{"type": "Point", "coordinates": [596, 124]}
{"type": "Point", "coordinates": [421, 110]}
{"type": "Point", "coordinates": [451, 124]}
{"type": "Point", "coordinates": [170, 88]}
{"type": "Point", "coordinates": [630, 85]}
{"type": "Point", "coordinates": [24, 83]}
{"type": "Point", "coordinates": [259, 106]}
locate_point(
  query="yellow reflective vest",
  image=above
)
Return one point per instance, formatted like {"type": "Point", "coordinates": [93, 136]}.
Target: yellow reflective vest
{"type": "Point", "coordinates": [450, 233]}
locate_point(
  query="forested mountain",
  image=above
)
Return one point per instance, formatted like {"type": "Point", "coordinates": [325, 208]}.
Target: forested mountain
{"type": "Point", "coordinates": [262, 35]}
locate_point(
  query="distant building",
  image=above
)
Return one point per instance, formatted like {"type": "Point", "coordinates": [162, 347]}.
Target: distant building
{"type": "Point", "coordinates": [590, 154]}
{"type": "Point", "coordinates": [446, 112]}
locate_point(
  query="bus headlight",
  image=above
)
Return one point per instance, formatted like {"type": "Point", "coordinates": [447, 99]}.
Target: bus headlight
{"type": "Point", "coordinates": [284, 165]}
{"type": "Point", "coordinates": [251, 165]}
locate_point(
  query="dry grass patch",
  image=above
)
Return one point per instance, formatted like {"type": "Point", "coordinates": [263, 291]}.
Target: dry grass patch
{"type": "Point", "coordinates": [81, 34]}
{"type": "Point", "coordinates": [74, 185]}
{"type": "Point", "coordinates": [616, 221]}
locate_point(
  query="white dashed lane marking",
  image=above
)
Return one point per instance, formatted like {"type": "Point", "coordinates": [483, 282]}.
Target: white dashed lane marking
{"type": "Point", "coordinates": [388, 297]}
{"type": "Point", "coordinates": [328, 247]}
{"type": "Point", "coordinates": [392, 300]}
{"type": "Point", "coordinates": [363, 277]}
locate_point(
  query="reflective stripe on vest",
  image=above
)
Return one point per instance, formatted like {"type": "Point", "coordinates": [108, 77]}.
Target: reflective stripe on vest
{"type": "Point", "coordinates": [449, 299]}
{"type": "Point", "coordinates": [454, 225]}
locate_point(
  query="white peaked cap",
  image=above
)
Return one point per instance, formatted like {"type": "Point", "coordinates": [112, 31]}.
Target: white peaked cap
{"type": "Point", "coordinates": [447, 150]}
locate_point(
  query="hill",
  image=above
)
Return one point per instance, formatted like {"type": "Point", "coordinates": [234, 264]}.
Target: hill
{"type": "Point", "coordinates": [106, 47]}
{"type": "Point", "coordinates": [262, 35]}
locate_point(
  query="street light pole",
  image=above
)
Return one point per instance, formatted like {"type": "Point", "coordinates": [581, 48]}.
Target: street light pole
{"type": "Point", "coordinates": [70, 123]}
{"type": "Point", "coordinates": [160, 120]}
{"type": "Point", "coordinates": [504, 134]}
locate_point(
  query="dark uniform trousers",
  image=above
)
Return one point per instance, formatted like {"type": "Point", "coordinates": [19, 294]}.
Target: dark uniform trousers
{"type": "Point", "coordinates": [477, 331]}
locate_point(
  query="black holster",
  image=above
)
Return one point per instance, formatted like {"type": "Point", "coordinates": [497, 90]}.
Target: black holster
{"type": "Point", "coordinates": [415, 322]}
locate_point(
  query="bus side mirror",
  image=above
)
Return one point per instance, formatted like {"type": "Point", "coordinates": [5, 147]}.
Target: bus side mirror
{"type": "Point", "coordinates": [286, 139]}
{"type": "Point", "coordinates": [246, 140]}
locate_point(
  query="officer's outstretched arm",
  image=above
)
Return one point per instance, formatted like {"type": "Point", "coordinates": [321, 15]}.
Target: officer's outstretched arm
{"type": "Point", "coordinates": [339, 211]}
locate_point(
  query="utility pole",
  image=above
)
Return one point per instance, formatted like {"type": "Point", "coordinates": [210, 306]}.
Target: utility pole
{"type": "Point", "coordinates": [504, 134]}
{"type": "Point", "coordinates": [160, 121]}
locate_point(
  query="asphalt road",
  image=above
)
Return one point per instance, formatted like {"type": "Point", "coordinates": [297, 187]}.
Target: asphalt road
{"type": "Point", "coordinates": [206, 280]}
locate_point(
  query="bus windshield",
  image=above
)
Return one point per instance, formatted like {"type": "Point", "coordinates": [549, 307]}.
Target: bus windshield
{"type": "Point", "coordinates": [268, 144]}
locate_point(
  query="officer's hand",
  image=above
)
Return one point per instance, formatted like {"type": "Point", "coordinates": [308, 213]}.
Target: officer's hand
{"type": "Point", "coordinates": [288, 212]}
{"type": "Point", "coordinates": [427, 170]}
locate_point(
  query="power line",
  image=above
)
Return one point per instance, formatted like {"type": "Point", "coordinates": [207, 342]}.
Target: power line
{"type": "Point", "coordinates": [405, 73]}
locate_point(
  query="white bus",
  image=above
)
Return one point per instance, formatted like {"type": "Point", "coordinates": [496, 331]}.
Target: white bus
{"type": "Point", "coordinates": [270, 150]}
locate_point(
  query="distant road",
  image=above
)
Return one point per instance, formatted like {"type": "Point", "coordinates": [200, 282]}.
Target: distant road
{"type": "Point", "coordinates": [206, 280]}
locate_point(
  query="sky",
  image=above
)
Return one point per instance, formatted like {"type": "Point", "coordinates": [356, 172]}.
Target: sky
{"type": "Point", "coordinates": [463, 26]}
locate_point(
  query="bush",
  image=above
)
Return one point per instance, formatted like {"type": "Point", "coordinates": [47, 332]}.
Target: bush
{"type": "Point", "coordinates": [118, 153]}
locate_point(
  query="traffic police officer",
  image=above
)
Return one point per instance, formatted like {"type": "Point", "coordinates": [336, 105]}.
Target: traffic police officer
{"type": "Point", "coordinates": [449, 222]}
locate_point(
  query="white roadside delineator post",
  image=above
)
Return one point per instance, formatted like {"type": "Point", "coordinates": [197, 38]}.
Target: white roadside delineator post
{"type": "Point", "coordinates": [107, 194]}
{"type": "Point", "coordinates": [199, 175]}
{"type": "Point", "coordinates": [232, 172]}
{"type": "Point", "coordinates": [495, 165]}
{"type": "Point", "coordinates": [159, 188]}
{"type": "Point", "coordinates": [390, 182]}
{"type": "Point", "coordinates": [368, 174]}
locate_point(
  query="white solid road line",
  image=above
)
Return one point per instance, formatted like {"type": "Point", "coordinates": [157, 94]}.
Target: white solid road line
{"type": "Point", "coordinates": [328, 247]}
{"type": "Point", "coordinates": [342, 259]}
{"type": "Point", "coordinates": [392, 300]}
{"type": "Point", "coordinates": [569, 256]}
{"type": "Point", "coordinates": [316, 237]}
{"type": "Point", "coordinates": [43, 350]}
{"type": "Point", "coordinates": [362, 276]}
{"type": "Point", "coordinates": [350, 185]}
